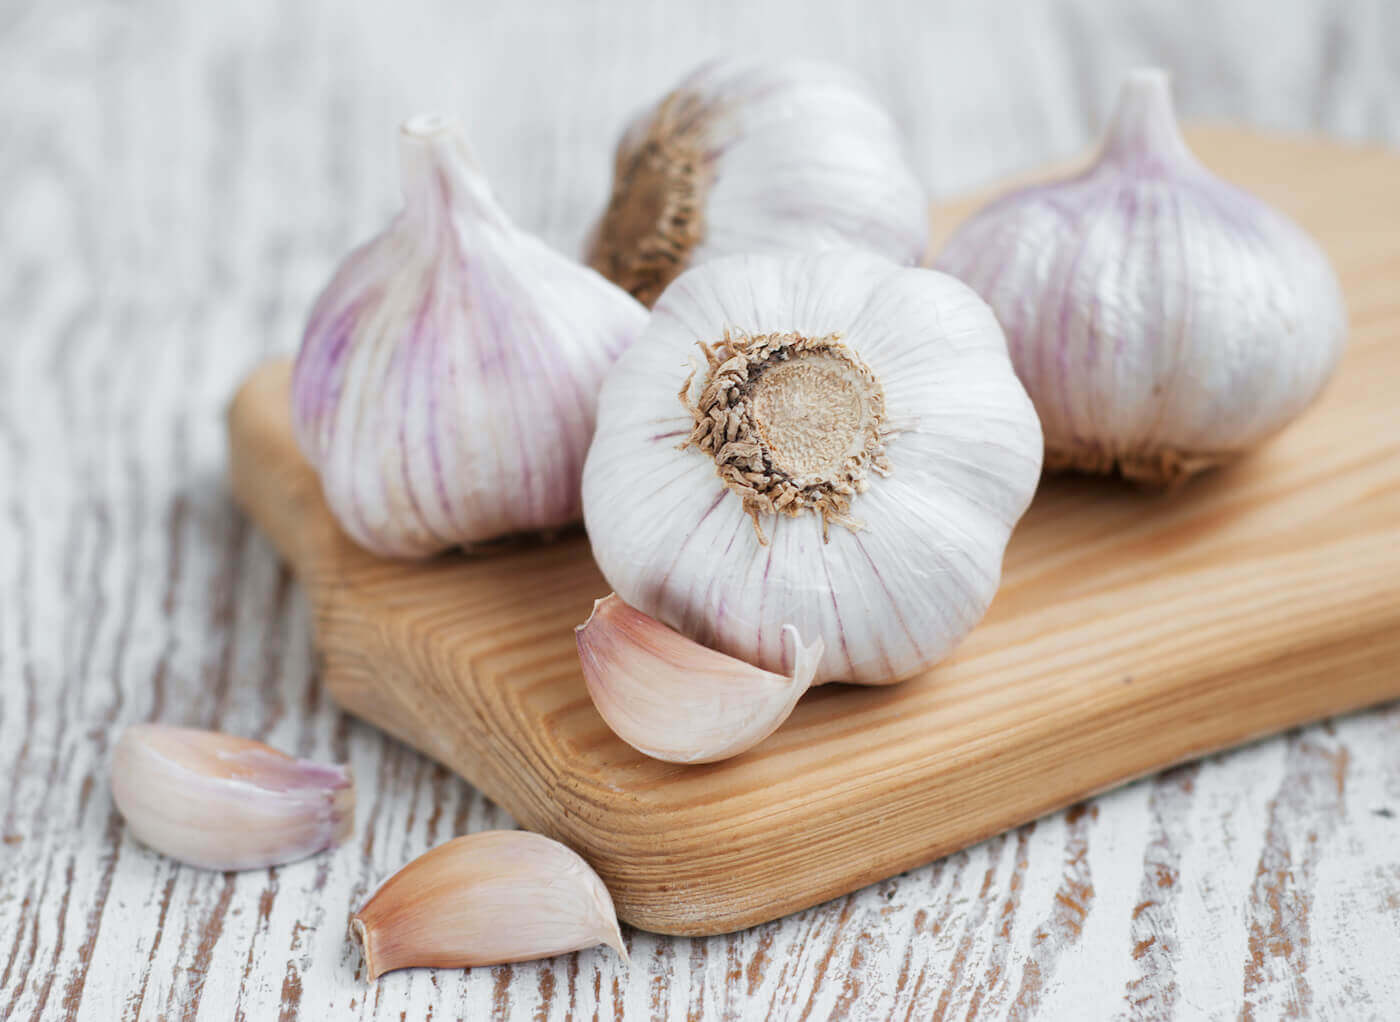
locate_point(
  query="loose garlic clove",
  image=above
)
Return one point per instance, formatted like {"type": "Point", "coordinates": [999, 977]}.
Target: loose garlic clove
{"type": "Point", "coordinates": [447, 380]}
{"type": "Point", "coordinates": [488, 898]}
{"type": "Point", "coordinates": [1162, 320]}
{"type": "Point", "coordinates": [675, 700]}
{"type": "Point", "coordinates": [227, 803]}
{"type": "Point", "coordinates": [826, 440]}
{"type": "Point", "coordinates": [757, 156]}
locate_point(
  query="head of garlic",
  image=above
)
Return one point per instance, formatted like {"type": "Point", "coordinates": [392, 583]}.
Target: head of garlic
{"type": "Point", "coordinates": [826, 441]}
{"type": "Point", "coordinates": [756, 156]}
{"type": "Point", "coordinates": [446, 383]}
{"type": "Point", "coordinates": [1162, 320]}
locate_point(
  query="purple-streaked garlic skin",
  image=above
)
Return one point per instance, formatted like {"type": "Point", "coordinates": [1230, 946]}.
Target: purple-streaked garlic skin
{"type": "Point", "coordinates": [227, 803]}
{"type": "Point", "coordinates": [1161, 319]}
{"type": "Point", "coordinates": [446, 384]}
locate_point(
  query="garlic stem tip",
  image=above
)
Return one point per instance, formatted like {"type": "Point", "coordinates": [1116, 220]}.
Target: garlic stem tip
{"type": "Point", "coordinates": [597, 605]}
{"type": "Point", "coordinates": [1149, 79]}
{"type": "Point", "coordinates": [357, 927]}
{"type": "Point", "coordinates": [615, 942]}
{"type": "Point", "coordinates": [427, 125]}
{"type": "Point", "coordinates": [805, 658]}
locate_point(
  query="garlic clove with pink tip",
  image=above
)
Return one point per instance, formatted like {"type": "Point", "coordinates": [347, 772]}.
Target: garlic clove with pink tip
{"type": "Point", "coordinates": [223, 802]}
{"type": "Point", "coordinates": [488, 898]}
{"type": "Point", "coordinates": [675, 700]}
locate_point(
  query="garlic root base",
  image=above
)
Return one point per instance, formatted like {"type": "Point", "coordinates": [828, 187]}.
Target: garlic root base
{"type": "Point", "coordinates": [1155, 470]}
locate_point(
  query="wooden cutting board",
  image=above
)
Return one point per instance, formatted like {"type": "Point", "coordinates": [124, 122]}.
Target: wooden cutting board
{"type": "Point", "coordinates": [1131, 632]}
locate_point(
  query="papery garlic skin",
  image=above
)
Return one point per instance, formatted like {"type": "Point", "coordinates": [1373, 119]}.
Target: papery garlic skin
{"type": "Point", "coordinates": [227, 803]}
{"type": "Point", "coordinates": [754, 155]}
{"type": "Point", "coordinates": [1162, 320]}
{"type": "Point", "coordinates": [889, 595]}
{"type": "Point", "coordinates": [675, 700]}
{"type": "Point", "coordinates": [487, 898]}
{"type": "Point", "coordinates": [446, 383]}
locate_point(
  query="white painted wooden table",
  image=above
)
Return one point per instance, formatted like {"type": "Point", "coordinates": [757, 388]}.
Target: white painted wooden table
{"type": "Point", "coordinates": [175, 183]}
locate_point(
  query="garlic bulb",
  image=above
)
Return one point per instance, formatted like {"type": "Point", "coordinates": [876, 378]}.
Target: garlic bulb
{"type": "Point", "coordinates": [488, 898]}
{"type": "Point", "coordinates": [756, 156]}
{"type": "Point", "coordinates": [446, 384]}
{"type": "Point", "coordinates": [222, 802]}
{"type": "Point", "coordinates": [675, 700]}
{"type": "Point", "coordinates": [1162, 320]}
{"type": "Point", "coordinates": [827, 441]}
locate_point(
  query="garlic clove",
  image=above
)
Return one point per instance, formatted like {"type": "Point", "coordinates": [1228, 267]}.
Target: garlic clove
{"type": "Point", "coordinates": [447, 380]}
{"type": "Point", "coordinates": [488, 898]}
{"type": "Point", "coordinates": [1162, 320]}
{"type": "Point", "coordinates": [676, 700]}
{"type": "Point", "coordinates": [221, 802]}
{"type": "Point", "coordinates": [749, 155]}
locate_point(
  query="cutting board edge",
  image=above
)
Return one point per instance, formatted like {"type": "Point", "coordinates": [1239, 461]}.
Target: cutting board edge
{"type": "Point", "coordinates": [723, 915]}
{"type": "Point", "coordinates": [632, 859]}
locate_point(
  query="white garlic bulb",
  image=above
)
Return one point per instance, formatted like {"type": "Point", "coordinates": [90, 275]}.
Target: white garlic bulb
{"type": "Point", "coordinates": [757, 156]}
{"type": "Point", "coordinates": [1162, 320]}
{"type": "Point", "coordinates": [827, 441]}
{"type": "Point", "coordinates": [446, 384]}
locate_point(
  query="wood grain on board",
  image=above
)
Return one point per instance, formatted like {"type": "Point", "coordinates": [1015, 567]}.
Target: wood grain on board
{"type": "Point", "coordinates": [1132, 631]}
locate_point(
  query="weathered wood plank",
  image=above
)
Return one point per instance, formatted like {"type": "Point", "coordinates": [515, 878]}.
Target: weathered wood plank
{"type": "Point", "coordinates": [178, 179]}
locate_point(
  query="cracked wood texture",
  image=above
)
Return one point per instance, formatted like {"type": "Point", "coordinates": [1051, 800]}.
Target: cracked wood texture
{"type": "Point", "coordinates": [177, 181]}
